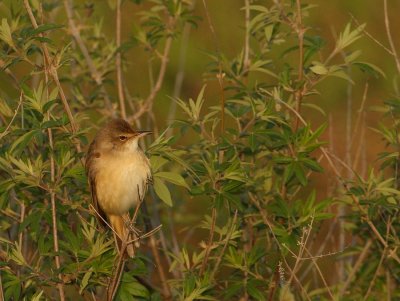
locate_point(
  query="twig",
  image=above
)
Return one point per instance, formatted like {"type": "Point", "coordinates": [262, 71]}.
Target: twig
{"type": "Point", "coordinates": [118, 62]}
{"type": "Point", "coordinates": [345, 186]}
{"type": "Point", "coordinates": [54, 214]}
{"type": "Point", "coordinates": [321, 250]}
{"type": "Point", "coordinates": [360, 114]}
{"type": "Point", "coordinates": [342, 208]}
{"type": "Point", "coordinates": [15, 114]}
{"type": "Point", "coordinates": [53, 72]}
{"type": "Point", "coordinates": [228, 238]}
{"type": "Point", "coordinates": [220, 75]}
{"type": "Point", "coordinates": [48, 70]}
{"type": "Point", "coordinates": [105, 221]}
{"type": "Point", "coordinates": [300, 35]}
{"type": "Point", "coordinates": [372, 282]}
{"type": "Point", "coordinates": [163, 278]}
{"type": "Point", "coordinates": [371, 36]}
{"type": "Point", "coordinates": [210, 241]}
{"type": "Point", "coordinates": [148, 103]}
{"type": "Point", "coordinates": [303, 243]}
{"type": "Point", "coordinates": [118, 271]}
{"type": "Point", "coordinates": [181, 70]}
{"type": "Point", "coordinates": [321, 275]}
{"type": "Point", "coordinates": [355, 268]}
{"type": "Point", "coordinates": [15, 80]}
{"type": "Point", "coordinates": [92, 67]}
{"type": "Point", "coordinates": [1, 288]}
{"type": "Point", "coordinates": [21, 220]}
{"type": "Point", "coordinates": [273, 284]}
{"type": "Point", "coordinates": [389, 35]}
{"type": "Point", "coordinates": [166, 291]}
{"type": "Point", "coordinates": [125, 242]}
{"type": "Point", "coordinates": [246, 55]}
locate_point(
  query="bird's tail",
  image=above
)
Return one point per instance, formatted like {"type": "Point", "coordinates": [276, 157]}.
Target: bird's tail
{"type": "Point", "coordinates": [118, 224]}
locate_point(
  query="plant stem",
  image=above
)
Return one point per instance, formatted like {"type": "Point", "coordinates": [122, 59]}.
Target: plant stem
{"type": "Point", "coordinates": [210, 241]}
{"type": "Point", "coordinates": [54, 214]}
{"type": "Point", "coordinates": [92, 68]}
{"type": "Point", "coordinates": [118, 62]}
{"type": "Point", "coordinates": [389, 35]}
{"type": "Point", "coordinates": [300, 36]}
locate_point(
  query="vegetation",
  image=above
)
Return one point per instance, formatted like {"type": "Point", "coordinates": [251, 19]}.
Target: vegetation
{"type": "Point", "coordinates": [246, 150]}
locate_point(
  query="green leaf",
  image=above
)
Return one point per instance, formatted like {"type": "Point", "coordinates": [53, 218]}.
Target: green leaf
{"type": "Point", "coordinates": [172, 177]}
{"type": "Point", "coordinates": [300, 174]}
{"type": "Point", "coordinates": [285, 294]}
{"type": "Point", "coordinates": [37, 296]}
{"type": "Point", "coordinates": [20, 144]}
{"type": "Point", "coordinates": [347, 37]}
{"type": "Point", "coordinates": [370, 69]}
{"type": "Point", "coordinates": [5, 32]}
{"type": "Point", "coordinates": [85, 280]}
{"type": "Point", "coordinates": [162, 191]}
{"type": "Point", "coordinates": [46, 27]}
{"type": "Point", "coordinates": [319, 68]}
{"type": "Point", "coordinates": [352, 56]}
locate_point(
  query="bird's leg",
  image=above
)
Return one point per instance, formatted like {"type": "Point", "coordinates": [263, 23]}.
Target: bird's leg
{"type": "Point", "coordinates": [129, 224]}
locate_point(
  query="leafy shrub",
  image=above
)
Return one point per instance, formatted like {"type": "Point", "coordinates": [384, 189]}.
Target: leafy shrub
{"type": "Point", "coordinates": [248, 152]}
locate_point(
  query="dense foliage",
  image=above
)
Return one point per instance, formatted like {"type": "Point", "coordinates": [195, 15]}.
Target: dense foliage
{"type": "Point", "coordinates": [247, 151]}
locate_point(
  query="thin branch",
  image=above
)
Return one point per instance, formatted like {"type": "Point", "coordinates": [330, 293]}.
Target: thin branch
{"type": "Point", "coordinates": [1, 289]}
{"type": "Point", "coordinates": [346, 187]}
{"type": "Point", "coordinates": [181, 70]}
{"type": "Point", "coordinates": [246, 55]}
{"type": "Point", "coordinates": [371, 36]}
{"type": "Point", "coordinates": [268, 223]}
{"type": "Point", "coordinates": [389, 35]}
{"type": "Point", "coordinates": [303, 243]}
{"type": "Point", "coordinates": [300, 35]}
{"type": "Point", "coordinates": [21, 220]}
{"type": "Point", "coordinates": [321, 249]}
{"type": "Point", "coordinates": [166, 291]}
{"type": "Point", "coordinates": [92, 67]}
{"type": "Point", "coordinates": [54, 214]}
{"type": "Point", "coordinates": [360, 115]}
{"type": "Point", "coordinates": [220, 75]}
{"type": "Point", "coordinates": [118, 61]}
{"type": "Point", "coordinates": [210, 241]}
{"type": "Point", "coordinates": [60, 285]}
{"type": "Point", "coordinates": [147, 105]}
{"type": "Point", "coordinates": [118, 271]}
{"type": "Point", "coordinates": [228, 238]}
{"type": "Point", "coordinates": [21, 97]}
{"type": "Point", "coordinates": [372, 282]}
{"type": "Point", "coordinates": [163, 278]}
{"type": "Point", "coordinates": [355, 268]}
{"type": "Point", "coordinates": [53, 72]}
{"type": "Point", "coordinates": [163, 69]}
{"type": "Point", "coordinates": [321, 275]}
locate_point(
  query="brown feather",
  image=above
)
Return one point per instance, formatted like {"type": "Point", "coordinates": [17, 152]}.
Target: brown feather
{"type": "Point", "coordinates": [118, 224]}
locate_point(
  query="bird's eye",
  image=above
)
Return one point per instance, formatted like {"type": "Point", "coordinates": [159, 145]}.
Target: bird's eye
{"type": "Point", "coordinates": [123, 138]}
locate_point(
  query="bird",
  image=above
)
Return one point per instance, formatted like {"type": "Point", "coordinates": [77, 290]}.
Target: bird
{"type": "Point", "coordinates": [119, 174]}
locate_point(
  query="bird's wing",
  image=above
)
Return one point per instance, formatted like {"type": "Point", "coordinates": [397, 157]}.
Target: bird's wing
{"type": "Point", "coordinates": [101, 216]}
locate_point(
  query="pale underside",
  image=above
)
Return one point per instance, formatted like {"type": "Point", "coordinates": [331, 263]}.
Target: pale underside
{"type": "Point", "coordinates": [121, 181]}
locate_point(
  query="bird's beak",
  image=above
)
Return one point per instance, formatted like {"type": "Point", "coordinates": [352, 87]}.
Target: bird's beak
{"type": "Point", "coordinates": [143, 133]}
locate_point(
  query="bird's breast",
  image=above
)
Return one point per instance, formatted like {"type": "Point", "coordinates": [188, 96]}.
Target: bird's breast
{"type": "Point", "coordinates": [121, 181]}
